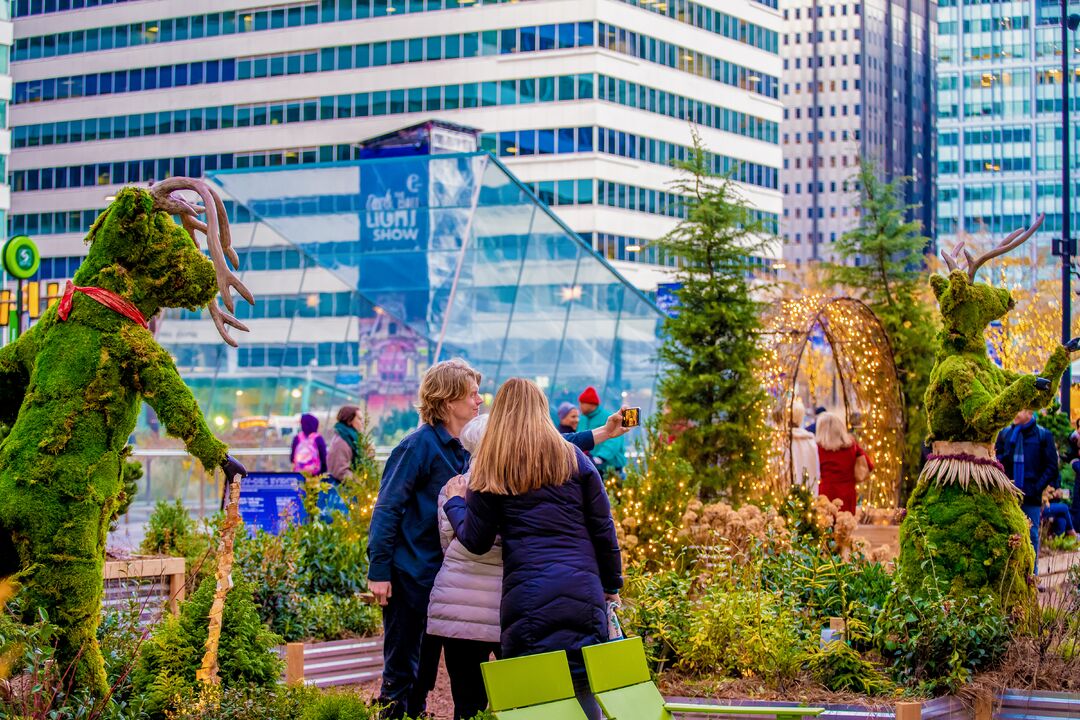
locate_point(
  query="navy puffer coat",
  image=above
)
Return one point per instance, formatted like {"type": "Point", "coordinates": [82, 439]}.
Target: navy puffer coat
{"type": "Point", "coordinates": [560, 556]}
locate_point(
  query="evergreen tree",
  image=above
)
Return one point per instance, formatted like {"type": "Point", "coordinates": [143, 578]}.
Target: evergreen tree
{"type": "Point", "coordinates": [890, 279]}
{"type": "Point", "coordinates": [716, 406]}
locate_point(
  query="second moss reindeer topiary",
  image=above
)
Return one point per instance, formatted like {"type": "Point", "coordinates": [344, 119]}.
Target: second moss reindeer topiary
{"type": "Point", "coordinates": [964, 529]}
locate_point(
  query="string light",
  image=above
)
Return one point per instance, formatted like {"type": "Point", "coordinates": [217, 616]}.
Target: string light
{"type": "Point", "coordinates": [870, 391]}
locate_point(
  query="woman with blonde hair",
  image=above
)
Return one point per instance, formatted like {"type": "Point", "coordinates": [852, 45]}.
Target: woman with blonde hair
{"type": "Point", "coordinates": [839, 460]}
{"type": "Point", "coordinates": [545, 499]}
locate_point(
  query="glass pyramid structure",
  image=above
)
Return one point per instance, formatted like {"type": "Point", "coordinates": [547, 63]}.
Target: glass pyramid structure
{"type": "Point", "coordinates": [366, 273]}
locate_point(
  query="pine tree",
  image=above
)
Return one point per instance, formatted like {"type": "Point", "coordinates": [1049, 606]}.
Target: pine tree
{"type": "Point", "coordinates": [890, 279]}
{"type": "Point", "coordinates": [715, 404]}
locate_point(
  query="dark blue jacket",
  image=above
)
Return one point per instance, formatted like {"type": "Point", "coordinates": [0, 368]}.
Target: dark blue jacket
{"type": "Point", "coordinates": [403, 540]}
{"type": "Point", "coordinates": [560, 555]}
{"type": "Point", "coordinates": [1040, 458]}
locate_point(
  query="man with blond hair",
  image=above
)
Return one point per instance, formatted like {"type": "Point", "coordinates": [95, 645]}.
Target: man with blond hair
{"type": "Point", "coordinates": [404, 550]}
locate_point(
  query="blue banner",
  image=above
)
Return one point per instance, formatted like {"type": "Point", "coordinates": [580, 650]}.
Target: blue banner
{"type": "Point", "coordinates": [270, 500]}
{"type": "Point", "coordinates": [395, 236]}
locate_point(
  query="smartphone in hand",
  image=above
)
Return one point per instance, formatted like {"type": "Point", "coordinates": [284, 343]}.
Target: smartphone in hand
{"type": "Point", "coordinates": [631, 417]}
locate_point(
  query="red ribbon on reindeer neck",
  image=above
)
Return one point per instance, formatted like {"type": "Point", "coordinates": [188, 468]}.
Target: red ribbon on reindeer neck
{"type": "Point", "coordinates": [106, 297]}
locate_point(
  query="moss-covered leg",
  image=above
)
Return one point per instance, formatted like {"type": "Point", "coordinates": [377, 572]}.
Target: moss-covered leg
{"type": "Point", "coordinates": [67, 579]}
{"type": "Point", "coordinates": [164, 390]}
{"type": "Point", "coordinates": [985, 413]}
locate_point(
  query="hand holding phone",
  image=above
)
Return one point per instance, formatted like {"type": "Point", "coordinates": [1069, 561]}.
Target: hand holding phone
{"type": "Point", "coordinates": [631, 417]}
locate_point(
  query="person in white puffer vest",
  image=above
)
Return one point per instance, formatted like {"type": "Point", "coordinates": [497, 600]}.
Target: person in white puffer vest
{"type": "Point", "coordinates": [464, 605]}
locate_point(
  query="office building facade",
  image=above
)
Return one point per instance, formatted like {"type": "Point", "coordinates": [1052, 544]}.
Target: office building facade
{"type": "Point", "coordinates": [588, 101]}
{"type": "Point", "coordinates": [585, 103]}
{"type": "Point", "coordinates": [999, 120]}
{"type": "Point", "coordinates": [857, 83]}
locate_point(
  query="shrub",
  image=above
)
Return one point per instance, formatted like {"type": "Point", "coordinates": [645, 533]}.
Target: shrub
{"type": "Point", "coordinates": [746, 633]}
{"type": "Point", "coordinates": [648, 503]}
{"type": "Point", "coordinates": [172, 531]}
{"type": "Point", "coordinates": [307, 580]}
{"type": "Point", "coordinates": [337, 705]}
{"type": "Point", "coordinates": [657, 608]}
{"type": "Point", "coordinates": [278, 702]}
{"type": "Point", "coordinates": [838, 667]}
{"type": "Point", "coordinates": [170, 658]}
{"type": "Point", "coordinates": [936, 641]}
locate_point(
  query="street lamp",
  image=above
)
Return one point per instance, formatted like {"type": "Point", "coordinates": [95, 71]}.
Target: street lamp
{"type": "Point", "coordinates": [1068, 22]}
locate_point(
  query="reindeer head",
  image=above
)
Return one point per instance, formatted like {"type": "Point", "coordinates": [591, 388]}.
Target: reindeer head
{"type": "Point", "coordinates": [137, 251]}
{"type": "Point", "coordinates": [967, 307]}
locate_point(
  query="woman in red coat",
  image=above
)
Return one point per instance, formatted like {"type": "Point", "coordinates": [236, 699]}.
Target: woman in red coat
{"type": "Point", "coordinates": [837, 454]}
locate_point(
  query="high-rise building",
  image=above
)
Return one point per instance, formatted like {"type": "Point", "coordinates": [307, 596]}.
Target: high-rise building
{"type": "Point", "coordinates": [587, 101]}
{"type": "Point", "coordinates": [857, 83]}
{"type": "Point", "coordinates": [7, 33]}
{"type": "Point", "coordinates": [999, 119]}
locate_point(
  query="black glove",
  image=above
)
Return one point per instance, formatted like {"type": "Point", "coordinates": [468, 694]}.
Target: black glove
{"type": "Point", "coordinates": [232, 468]}
{"type": "Point", "coordinates": [1073, 345]}
{"type": "Point", "coordinates": [1042, 384]}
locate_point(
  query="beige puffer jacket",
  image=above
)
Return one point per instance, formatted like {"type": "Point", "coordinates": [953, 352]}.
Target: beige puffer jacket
{"type": "Point", "coordinates": [468, 589]}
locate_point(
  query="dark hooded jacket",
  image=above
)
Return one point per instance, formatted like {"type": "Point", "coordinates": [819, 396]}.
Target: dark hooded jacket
{"type": "Point", "coordinates": [560, 556]}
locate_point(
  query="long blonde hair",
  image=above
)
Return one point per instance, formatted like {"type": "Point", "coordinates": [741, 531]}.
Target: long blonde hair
{"type": "Point", "coordinates": [832, 432]}
{"type": "Point", "coordinates": [521, 449]}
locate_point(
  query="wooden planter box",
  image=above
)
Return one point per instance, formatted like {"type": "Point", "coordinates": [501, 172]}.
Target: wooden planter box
{"type": "Point", "coordinates": [335, 662]}
{"type": "Point", "coordinates": [153, 582]}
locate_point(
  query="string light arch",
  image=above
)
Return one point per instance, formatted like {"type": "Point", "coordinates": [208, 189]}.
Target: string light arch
{"type": "Point", "coordinates": [869, 388]}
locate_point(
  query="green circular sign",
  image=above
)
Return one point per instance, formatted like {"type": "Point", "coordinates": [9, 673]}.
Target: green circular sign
{"type": "Point", "coordinates": [21, 257]}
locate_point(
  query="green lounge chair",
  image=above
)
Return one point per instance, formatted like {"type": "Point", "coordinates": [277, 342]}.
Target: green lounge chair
{"type": "Point", "coordinates": [532, 687]}
{"type": "Point", "coordinates": [619, 676]}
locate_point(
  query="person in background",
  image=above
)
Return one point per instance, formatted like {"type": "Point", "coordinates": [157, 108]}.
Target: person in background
{"type": "Point", "coordinates": [560, 552]}
{"type": "Point", "coordinates": [1073, 458]}
{"type": "Point", "coordinates": [404, 549]}
{"type": "Point", "coordinates": [812, 427]}
{"type": "Point", "coordinates": [569, 417]}
{"type": "Point", "coordinates": [804, 452]}
{"type": "Point", "coordinates": [609, 456]}
{"type": "Point", "coordinates": [1027, 451]}
{"type": "Point", "coordinates": [308, 454]}
{"type": "Point", "coordinates": [345, 452]}
{"type": "Point", "coordinates": [1056, 513]}
{"type": "Point", "coordinates": [837, 455]}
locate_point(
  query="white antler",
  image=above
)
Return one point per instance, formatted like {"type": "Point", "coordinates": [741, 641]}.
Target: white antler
{"type": "Point", "coordinates": [218, 240]}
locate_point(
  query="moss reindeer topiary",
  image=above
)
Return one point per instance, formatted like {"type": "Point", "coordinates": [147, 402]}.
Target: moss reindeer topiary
{"type": "Point", "coordinates": [964, 525]}
{"type": "Point", "coordinates": [71, 388]}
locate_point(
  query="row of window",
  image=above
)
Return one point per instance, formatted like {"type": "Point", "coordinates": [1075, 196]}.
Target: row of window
{"type": "Point", "coordinates": [526, 142]}
{"type": "Point", "coordinates": [345, 57]}
{"type": "Point", "coordinates": [215, 24]}
{"type": "Point", "coordinates": [658, 202]}
{"type": "Point", "coordinates": [335, 9]}
{"type": "Point", "coordinates": [511, 40]}
{"type": "Point", "coordinates": [613, 142]}
{"type": "Point", "coordinates": [662, 102]}
{"type": "Point", "coordinates": [25, 8]}
{"type": "Point", "coordinates": [651, 49]}
{"type": "Point", "coordinates": [429, 99]}
{"type": "Point", "coordinates": [310, 13]}
{"type": "Point", "coordinates": [630, 249]}
{"type": "Point", "coordinates": [294, 354]}
{"type": "Point", "coordinates": [733, 28]}
{"type": "Point", "coordinates": [797, 12]}
{"type": "Point", "coordinates": [383, 102]}
{"type": "Point", "coordinates": [79, 221]}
